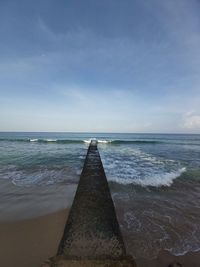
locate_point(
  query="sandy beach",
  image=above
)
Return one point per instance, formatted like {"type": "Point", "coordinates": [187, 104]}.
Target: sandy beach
{"type": "Point", "coordinates": [28, 243]}
{"type": "Point", "coordinates": [35, 203]}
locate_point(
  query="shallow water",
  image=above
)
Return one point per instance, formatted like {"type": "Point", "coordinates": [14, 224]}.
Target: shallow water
{"type": "Point", "coordinates": [154, 180]}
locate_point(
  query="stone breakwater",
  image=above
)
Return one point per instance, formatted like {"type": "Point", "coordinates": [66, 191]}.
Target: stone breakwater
{"type": "Point", "coordinates": [92, 235]}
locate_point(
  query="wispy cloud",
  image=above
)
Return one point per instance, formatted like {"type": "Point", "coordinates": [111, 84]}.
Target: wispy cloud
{"type": "Point", "coordinates": [191, 121]}
{"type": "Point", "coordinates": [132, 72]}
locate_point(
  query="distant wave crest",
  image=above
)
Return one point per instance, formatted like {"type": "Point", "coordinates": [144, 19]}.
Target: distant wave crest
{"type": "Point", "coordinates": [58, 141]}
{"type": "Point", "coordinates": [99, 141]}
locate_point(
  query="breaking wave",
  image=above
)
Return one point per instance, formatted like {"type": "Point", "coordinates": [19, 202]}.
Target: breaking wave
{"type": "Point", "coordinates": [64, 141]}
{"type": "Point", "coordinates": [137, 167]}
{"type": "Point", "coordinates": [156, 180]}
{"type": "Point", "coordinates": [100, 141]}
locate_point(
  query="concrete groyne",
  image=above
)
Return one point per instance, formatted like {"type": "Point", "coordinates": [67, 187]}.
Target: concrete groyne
{"type": "Point", "coordinates": [92, 235]}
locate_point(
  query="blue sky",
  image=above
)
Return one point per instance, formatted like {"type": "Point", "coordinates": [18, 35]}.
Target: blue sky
{"type": "Point", "coordinates": [104, 66]}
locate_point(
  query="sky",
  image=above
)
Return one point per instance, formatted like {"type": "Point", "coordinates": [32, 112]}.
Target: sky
{"type": "Point", "coordinates": [100, 66]}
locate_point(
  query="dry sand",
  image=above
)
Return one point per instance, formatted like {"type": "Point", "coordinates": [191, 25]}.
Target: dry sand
{"type": "Point", "coordinates": [28, 243]}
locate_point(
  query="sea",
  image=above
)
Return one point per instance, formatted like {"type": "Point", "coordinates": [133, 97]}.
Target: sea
{"type": "Point", "coordinates": [154, 181]}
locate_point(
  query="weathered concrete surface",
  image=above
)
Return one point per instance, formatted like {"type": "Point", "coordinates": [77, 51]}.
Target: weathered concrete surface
{"type": "Point", "coordinates": [64, 262]}
{"type": "Point", "coordinates": [92, 235]}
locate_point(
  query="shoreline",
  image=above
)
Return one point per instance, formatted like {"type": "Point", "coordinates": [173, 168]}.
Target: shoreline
{"type": "Point", "coordinates": [20, 203]}
{"type": "Point", "coordinates": [30, 242]}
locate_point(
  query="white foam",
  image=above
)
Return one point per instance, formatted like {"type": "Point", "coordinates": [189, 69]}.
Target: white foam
{"type": "Point", "coordinates": [42, 176]}
{"type": "Point", "coordinates": [33, 140]}
{"type": "Point", "coordinates": [134, 166]}
{"type": "Point", "coordinates": [104, 141]}
{"type": "Point", "coordinates": [99, 141]}
{"type": "Point", "coordinates": [50, 140]}
{"type": "Point", "coordinates": [157, 180]}
{"type": "Point", "coordinates": [165, 179]}
{"type": "Point", "coordinates": [87, 141]}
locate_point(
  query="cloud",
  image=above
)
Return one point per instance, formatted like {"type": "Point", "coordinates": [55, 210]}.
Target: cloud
{"type": "Point", "coordinates": [191, 121]}
{"type": "Point", "coordinates": [128, 72]}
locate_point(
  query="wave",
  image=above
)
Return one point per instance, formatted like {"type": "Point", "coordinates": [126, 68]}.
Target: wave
{"type": "Point", "coordinates": [51, 140]}
{"type": "Point", "coordinates": [60, 141]}
{"type": "Point", "coordinates": [136, 142]}
{"type": "Point", "coordinates": [155, 180]}
{"type": "Point", "coordinates": [165, 179]}
{"type": "Point", "coordinates": [100, 141]}
{"type": "Point", "coordinates": [41, 176]}
{"type": "Point", "coordinates": [191, 175]}
{"type": "Point", "coordinates": [45, 140]}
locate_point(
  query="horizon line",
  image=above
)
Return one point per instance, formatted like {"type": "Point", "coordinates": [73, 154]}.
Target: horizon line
{"type": "Point", "coordinates": [74, 132]}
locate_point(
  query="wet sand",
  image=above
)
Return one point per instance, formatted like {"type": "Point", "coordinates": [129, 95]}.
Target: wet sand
{"type": "Point", "coordinates": [20, 203]}
{"type": "Point", "coordinates": [164, 259]}
{"type": "Point", "coordinates": [30, 242]}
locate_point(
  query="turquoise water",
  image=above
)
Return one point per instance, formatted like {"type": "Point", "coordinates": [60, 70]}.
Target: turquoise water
{"type": "Point", "coordinates": [154, 180]}
{"type": "Point", "coordinates": [145, 159]}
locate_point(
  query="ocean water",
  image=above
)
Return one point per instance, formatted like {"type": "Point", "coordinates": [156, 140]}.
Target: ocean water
{"type": "Point", "coordinates": [154, 181]}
